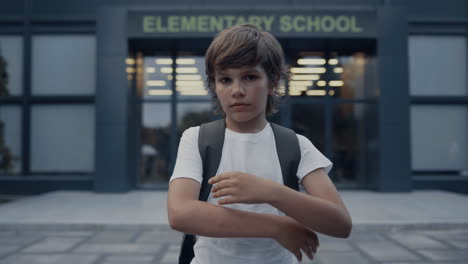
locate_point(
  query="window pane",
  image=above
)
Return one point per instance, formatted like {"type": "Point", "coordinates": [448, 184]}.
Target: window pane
{"type": "Point", "coordinates": [438, 65]}
{"type": "Point", "coordinates": [192, 114]}
{"type": "Point", "coordinates": [11, 64]}
{"type": "Point", "coordinates": [62, 138]}
{"type": "Point", "coordinates": [354, 140]}
{"type": "Point", "coordinates": [439, 138]}
{"type": "Point", "coordinates": [63, 65]}
{"type": "Point", "coordinates": [353, 76]}
{"type": "Point", "coordinates": [346, 76]}
{"type": "Point", "coordinates": [10, 140]}
{"type": "Point", "coordinates": [309, 121]}
{"type": "Point", "coordinates": [155, 143]}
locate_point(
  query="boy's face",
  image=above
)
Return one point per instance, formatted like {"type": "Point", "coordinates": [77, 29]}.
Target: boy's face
{"type": "Point", "coordinates": [243, 93]}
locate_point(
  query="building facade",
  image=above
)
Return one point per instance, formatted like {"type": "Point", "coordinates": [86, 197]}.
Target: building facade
{"type": "Point", "coordinates": [94, 95]}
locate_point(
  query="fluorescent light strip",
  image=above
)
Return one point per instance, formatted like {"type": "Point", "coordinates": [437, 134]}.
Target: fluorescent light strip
{"type": "Point", "coordinates": [155, 83]}
{"type": "Point", "coordinates": [335, 83]}
{"type": "Point", "coordinates": [321, 83]}
{"type": "Point", "coordinates": [185, 61]}
{"type": "Point", "coordinates": [316, 92]}
{"type": "Point", "coordinates": [309, 70]}
{"type": "Point", "coordinates": [312, 77]}
{"type": "Point", "coordinates": [130, 61]}
{"type": "Point", "coordinates": [164, 61]}
{"type": "Point", "coordinates": [333, 61]}
{"type": "Point", "coordinates": [194, 93]}
{"type": "Point", "coordinates": [311, 61]}
{"type": "Point", "coordinates": [160, 92]}
{"type": "Point", "coordinates": [338, 70]}
{"type": "Point", "coordinates": [186, 70]}
{"type": "Point", "coordinates": [193, 77]}
{"type": "Point", "coordinates": [301, 83]}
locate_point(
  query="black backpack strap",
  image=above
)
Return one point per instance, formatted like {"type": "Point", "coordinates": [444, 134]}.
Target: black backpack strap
{"type": "Point", "coordinates": [289, 154]}
{"type": "Point", "coordinates": [210, 145]}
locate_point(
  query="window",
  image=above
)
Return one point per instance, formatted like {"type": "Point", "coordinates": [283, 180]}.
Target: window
{"type": "Point", "coordinates": [437, 65]}
{"type": "Point", "coordinates": [63, 65]}
{"type": "Point", "coordinates": [62, 138]}
{"type": "Point", "coordinates": [439, 138]}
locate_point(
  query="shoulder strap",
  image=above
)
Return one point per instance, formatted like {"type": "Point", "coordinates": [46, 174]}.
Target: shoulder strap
{"type": "Point", "coordinates": [289, 154]}
{"type": "Point", "coordinates": [210, 145]}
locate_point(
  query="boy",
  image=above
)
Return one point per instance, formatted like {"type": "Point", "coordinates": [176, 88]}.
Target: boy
{"type": "Point", "coordinates": [250, 216]}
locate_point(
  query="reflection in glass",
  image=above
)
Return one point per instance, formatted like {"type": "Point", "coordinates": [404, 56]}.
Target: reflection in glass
{"type": "Point", "coordinates": [308, 120]}
{"type": "Point", "coordinates": [439, 138]}
{"type": "Point", "coordinates": [192, 114]}
{"type": "Point", "coordinates": [11, 65]}
{"type": "Point", "coordinates": [190, 76]}
{"type": "Point", "coordinates": [157, 76]}
{"type": "Point", "coordinates": [155, 134]}
{"type": "Point", "coordinates": [354, 140]}
{"type": "Point", "coordinates": [341, 76]}
{"type": "Point", "coordinates": [62, 138]}
{"type": "Point", "coordinates": [10, 140]}
{"type": "Point", "coordinates": [307, 68]}
{"type": "Point", "coordinates": [353, 76]}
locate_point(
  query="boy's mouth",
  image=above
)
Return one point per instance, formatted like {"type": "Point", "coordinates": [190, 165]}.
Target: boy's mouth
{"type": "Point", "coordinates": [239, 104]}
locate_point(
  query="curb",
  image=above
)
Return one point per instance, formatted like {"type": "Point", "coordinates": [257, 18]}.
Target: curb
{"type": "Point", "coordinates": [359, 227]}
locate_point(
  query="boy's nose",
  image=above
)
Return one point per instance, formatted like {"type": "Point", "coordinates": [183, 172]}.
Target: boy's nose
{"type": "Point", "coordinates": [238, 89]}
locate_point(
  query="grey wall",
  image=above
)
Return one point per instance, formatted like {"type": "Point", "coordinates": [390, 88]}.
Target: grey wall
{"type": "Point", "coordinates": [86, 9]}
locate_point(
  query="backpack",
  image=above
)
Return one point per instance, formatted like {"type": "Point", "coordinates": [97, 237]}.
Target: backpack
{"type": "Point", "coordinates": [210, 145]}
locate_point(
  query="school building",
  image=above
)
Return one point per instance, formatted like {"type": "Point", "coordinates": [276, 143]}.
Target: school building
{"type": "Point", "coordinates": [94, 95]}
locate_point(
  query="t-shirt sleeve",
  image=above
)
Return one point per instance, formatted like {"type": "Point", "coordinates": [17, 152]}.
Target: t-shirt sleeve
{"type": "Point", "coordinates": [311, 158]}
{"type": "Point", "coordinates": [188, 163]}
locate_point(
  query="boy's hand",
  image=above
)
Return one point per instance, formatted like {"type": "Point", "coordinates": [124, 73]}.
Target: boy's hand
{"type": "Point", "coordinates": [242, 188]}
{"type": "Point", "coordinates": [295, 237]}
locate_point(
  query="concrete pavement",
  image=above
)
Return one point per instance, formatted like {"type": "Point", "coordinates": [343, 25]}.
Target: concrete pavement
{"type": "Point", "coordinates": [84, 227]}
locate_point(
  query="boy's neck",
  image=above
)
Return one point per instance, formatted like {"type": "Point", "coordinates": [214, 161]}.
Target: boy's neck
{"type": "Point", "coordinates": [252, 126]}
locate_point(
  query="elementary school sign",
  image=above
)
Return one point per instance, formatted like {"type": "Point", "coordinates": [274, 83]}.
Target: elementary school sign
{"type": "Point", "coordinates": [202, 24]}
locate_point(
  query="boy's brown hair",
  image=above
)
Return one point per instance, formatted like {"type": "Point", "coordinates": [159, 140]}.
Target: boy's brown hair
{"type": "Point", "coordinates": [246, 45]}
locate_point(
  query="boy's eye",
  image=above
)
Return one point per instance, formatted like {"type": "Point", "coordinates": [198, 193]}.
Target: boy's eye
{"type": "Point", "coordinates": [223, 80]}
{"type": "Point", "coordinates": [251, 77]}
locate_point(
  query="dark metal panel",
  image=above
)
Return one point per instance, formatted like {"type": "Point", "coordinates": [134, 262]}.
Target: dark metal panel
{"type": "Point", "coordinates": [111, 34]}
{"type": "Point", "coordinates": [12, 7]}
{"type": "Point", "coordinates": [111, 90]}
{"type": "Point", "coordinates": [437, 8]}
{"type": "Point", "coordinates": [111, 159]}
{"type": "Point", "coordinates": [112, 103]}
{"type": "Point", "coordinates": [392, 54]}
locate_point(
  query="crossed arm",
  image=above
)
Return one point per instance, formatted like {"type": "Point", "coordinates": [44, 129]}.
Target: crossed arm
{"type": "Point", "coordinates": [321, 210]}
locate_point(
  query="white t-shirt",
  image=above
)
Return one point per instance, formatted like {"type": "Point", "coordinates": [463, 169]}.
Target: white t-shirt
{"type": "Point", "coordinates": [254, 154]}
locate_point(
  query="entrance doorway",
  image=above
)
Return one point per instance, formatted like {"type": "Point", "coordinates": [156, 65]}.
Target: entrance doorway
{"type": "Point", "coordinates": [331, 99]}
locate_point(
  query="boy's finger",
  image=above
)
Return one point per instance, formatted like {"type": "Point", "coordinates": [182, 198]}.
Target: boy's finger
{"type": "Point", "coordinates": [218, 178]}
